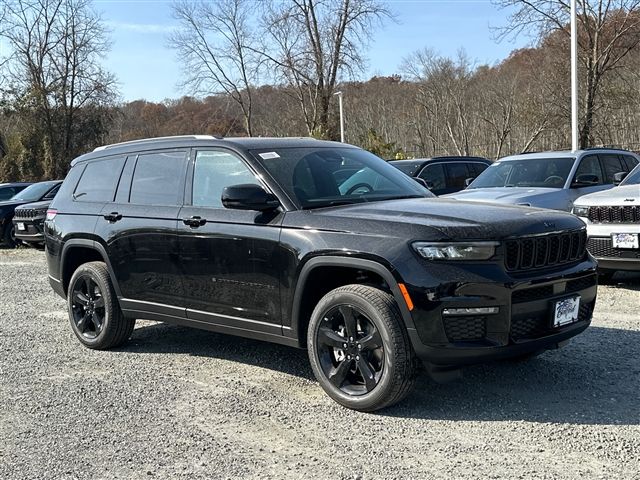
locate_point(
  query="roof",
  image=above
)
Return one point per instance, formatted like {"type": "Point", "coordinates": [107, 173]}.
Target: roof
{"type": "Point", "coordinates": [188, 141]}
{"type": "Point", "coordinates": [452, 158]}
{"type": "Point", "coordinates": [16, 184]}
{"type": "Point", "coordinates": [562, 153]}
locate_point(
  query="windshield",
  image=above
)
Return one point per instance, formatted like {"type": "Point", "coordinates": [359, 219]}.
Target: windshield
{"type": "Point", "coordinates": [633, 178]}
{"type": "Point", "coordinates": [528, 172]}
{"type": "Point", "coordinates": [34, 192]}
{"type": "Point", "coordinates": [320, 177]}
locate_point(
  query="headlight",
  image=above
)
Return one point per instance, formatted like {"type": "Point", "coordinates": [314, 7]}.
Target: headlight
{"type": "Point", "coordinates": [456, 251]}
{"type": "Point", "coordinates": [581, 211]}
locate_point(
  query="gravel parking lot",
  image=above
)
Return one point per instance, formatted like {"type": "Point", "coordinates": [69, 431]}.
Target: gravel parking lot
{"type": "Point", "coordinates": [181, 403]}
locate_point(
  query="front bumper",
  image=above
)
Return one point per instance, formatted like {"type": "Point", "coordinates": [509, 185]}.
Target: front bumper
{"type": "Point", "coordinates": [613, 258]}
{"type": "Point", "coordinates": [33, 232]}
{"type": "Point", "coordinates": [523, 324]}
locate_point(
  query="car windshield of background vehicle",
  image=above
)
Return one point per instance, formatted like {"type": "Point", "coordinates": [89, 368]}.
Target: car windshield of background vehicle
{"type": "Point", "coordinates": [33, 193]}
{"type": "Point", "coordinates": [633, 178]}
{"type": "Point", "coordinates": [322, 177]}
{"type": "Point", "coordinates": [530, 172]}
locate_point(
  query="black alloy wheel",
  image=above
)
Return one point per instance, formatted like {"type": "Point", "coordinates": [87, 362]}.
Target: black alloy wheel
{"type": "Point", "coordinates": [94, 310]}
{"type": "Point", "coordinates": [359, 348]}
{"type": "Point", "coordinates": [350, 350]}
{"type": "Point", "coordinates": [87, 306]}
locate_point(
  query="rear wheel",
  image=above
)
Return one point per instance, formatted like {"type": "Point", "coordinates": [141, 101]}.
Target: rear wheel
{"type": "Point", "coordinates": [94, 312]}
{"type": "Point", "coordinates": [359, 348]}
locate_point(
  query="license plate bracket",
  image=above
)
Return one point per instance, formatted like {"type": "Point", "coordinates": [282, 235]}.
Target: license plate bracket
{"type": "Point", "coordinates": [626, 241]}
{"type": "Point", "coordinates": [21, 226]}
{"type": "Point", "coordinates": [566, 311]}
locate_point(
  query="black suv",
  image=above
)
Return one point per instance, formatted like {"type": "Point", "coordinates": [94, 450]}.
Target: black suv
{"type": "Point", "coordinates": [257, 237]}
{"type": "Point", "coordinates": [37, 192]}
{"type": "Point", "coordinates": [444, 175]}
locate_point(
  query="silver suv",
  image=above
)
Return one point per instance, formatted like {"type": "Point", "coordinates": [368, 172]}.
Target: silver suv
{"type": "Point", "coordinates": [549, 179]}
{"type": "Point", "coordinates": [613, 225]}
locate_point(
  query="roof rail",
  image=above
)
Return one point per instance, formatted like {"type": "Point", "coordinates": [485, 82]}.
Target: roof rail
{"type": "Point", "coordinates": [608, 148]}
{"type": "Point", "coordinates": [145, 140]}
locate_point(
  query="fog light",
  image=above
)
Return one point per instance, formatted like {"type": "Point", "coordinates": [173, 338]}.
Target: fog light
{"type": "Point", "coordinates": [471, 311]}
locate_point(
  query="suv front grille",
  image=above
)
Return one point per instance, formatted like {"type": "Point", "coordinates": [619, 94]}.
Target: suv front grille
{"type": "Point", "coordinates": [461, 329]}
{"type": "Point", "coordinates": [603, 248]}
{"type": "Point", "coordinates": [528, 327]}
{"type": "Point", "coordinates": [624, 214]}
{"type": "Point", "coordinates": [29, 212]}
{"type": "Point", "coordinates": [529, 253]}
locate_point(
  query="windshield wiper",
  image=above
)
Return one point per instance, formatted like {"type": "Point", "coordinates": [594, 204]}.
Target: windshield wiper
{"type": "Point", "coordinates": [333, 203]}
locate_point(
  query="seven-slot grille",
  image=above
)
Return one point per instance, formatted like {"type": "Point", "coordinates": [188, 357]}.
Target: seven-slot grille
{"type": "Point", "coordinates": [30, 212]}
{"type": "Point", "coordinates": [545, 251]}
{"type": "Point", "coordinates": [620, 214]}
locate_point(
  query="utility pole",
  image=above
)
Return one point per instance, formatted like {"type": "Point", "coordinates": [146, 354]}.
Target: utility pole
{"type": "Point", "coordinates": [574, 77]}
{"type": "Point", "coordinates": [339, 94]}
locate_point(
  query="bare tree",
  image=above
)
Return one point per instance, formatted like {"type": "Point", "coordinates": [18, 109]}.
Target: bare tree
{"type": "Point", "coordinates": [609, 31]}
{"type": "Point", "coordinates": [313, 44]}
{"type": "Point", "coordinates": [214, 43]}
{"type": "Point", "coordinates": [56, 74]}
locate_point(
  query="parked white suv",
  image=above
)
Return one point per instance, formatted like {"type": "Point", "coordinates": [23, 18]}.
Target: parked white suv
{"type": "Point", "coordinates": [613, 225]}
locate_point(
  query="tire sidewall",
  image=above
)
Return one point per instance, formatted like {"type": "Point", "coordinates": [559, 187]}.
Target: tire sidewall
{"type": "Point", "coordinates": [378, 394]}
{"type": "Point", "coordinates": [83, 270]}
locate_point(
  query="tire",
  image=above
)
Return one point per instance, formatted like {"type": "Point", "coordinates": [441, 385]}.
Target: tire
{"type": "Point", "coordinates": [9, 237]}
{"type": "Point", "coordinates": [94, 312]}
{"type": "Point", "coordinates": [374, 319]}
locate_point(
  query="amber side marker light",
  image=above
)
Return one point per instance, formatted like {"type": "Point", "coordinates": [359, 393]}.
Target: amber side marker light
{"type": "Point", "coordinates": [406, 296]}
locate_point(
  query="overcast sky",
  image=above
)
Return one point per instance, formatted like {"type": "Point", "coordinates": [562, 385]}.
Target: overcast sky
{"type": "Point", "coordinates": [147, 68]}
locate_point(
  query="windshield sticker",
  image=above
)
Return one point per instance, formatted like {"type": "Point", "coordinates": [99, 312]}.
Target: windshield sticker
{"type": "Point", "coordinates": [269, 155]}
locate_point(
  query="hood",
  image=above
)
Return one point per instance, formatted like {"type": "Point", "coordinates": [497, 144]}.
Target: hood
{"type": "Point", "coordinates": [35, 205]}
{"type": "Point", "coordinates": [625, 195]}
{"type": "Point", "coordinates": [512, 195]}
{"type": "Point", "coordinates": [433, 218]}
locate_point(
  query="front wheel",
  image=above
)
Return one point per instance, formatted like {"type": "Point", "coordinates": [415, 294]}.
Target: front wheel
{"type": "Point", "coordinates": [10, 239]}
{"type": "Point", "coordinates": [359, 348]}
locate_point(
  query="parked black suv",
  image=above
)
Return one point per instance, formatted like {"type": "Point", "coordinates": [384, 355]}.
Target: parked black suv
{"type": "Point", "coordinates": [8, 190]}
{"type": "Point", "coordinates": [256, 237]}
{"type": "Point", "coordinates": [42, 191]}
{"type": "Point", "coordinates": [444, 175]}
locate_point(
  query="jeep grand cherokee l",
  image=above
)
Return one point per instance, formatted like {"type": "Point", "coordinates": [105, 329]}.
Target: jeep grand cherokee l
{"type": "Point", "coordinates": [254, 237]}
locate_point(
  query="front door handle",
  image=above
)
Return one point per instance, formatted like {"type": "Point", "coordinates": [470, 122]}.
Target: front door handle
{"type": "Point", "coordinates": [113, 217]}
{"type": "Point", "coordinates": [194, 222]}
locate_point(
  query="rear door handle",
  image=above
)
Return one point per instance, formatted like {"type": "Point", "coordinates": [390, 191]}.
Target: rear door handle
{"type": "Point", "coordinates": [113, 217]}
{"type": "Point", "coordinates": [194, 222]}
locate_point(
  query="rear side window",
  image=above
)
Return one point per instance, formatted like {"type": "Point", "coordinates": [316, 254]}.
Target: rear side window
{"type": "Point", "coordinates": [7, 192]}
{"type": "Point", "coordinates": [98, 181]}
{"type": "Point", "coordinates": [612, 165]}
{"type": "Point", "coordinates": [158, 179]}
{"type": "Point", "coordinates": [476, 168]}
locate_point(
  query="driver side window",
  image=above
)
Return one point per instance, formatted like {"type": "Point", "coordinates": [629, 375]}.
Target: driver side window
{"type": "Point", "coordinates": [590, 166]}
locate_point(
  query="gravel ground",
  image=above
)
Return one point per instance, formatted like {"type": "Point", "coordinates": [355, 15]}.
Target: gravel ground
{"type": "Point", "coordinates": [181, 403]}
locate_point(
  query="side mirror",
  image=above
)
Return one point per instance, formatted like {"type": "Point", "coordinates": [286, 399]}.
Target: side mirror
{"type": "Point", "coordinates": [619, 177]}
{"type": "Point", "coordinates": [586, 180]}
{"type": "Point", "coordinates": [422, 182]}
{"type": "Point", "coordinates": [468, 181]}
{"type": "Point", "coordinates": [249, 197]}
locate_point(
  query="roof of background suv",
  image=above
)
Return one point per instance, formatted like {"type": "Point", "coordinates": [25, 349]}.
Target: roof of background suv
{"type": "Point", "coordinates": [563, 153]}
{"type": "Point", "coordinates": [242, 143]}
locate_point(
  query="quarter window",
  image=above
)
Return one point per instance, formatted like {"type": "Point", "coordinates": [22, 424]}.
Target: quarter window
{"type": "Point", "coordinates": [98, 181]}
{"type": "Point", "coordinates": [214, 171]}
{"type": "Point", "coordinates": [631, 162]}
{"type": "Point", "coordinates": [158, 179]}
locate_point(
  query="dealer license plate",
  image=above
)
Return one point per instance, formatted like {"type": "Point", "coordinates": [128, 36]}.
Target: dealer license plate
{"type": "Point", "coordinates": [625, 240]}
{"type": "Point", "coordinates": [21, 227]}
{"type": "Point", "coordinates": [566, 311]}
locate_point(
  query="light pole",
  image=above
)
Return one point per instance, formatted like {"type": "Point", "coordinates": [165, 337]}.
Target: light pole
{"type": "Point", "coordinates": [574, 77]}
{"type": "Point", "coordinates": [339, 94]}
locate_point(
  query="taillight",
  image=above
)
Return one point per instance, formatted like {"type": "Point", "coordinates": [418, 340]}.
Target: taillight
{"type": "Point", "coordinates": [51, 213]}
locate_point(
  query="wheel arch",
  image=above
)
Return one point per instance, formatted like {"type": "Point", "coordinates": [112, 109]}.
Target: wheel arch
{"type": "Point", "coordinates": [301, 313]}
{"type": "Point", "coordinates": [78, 251]}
